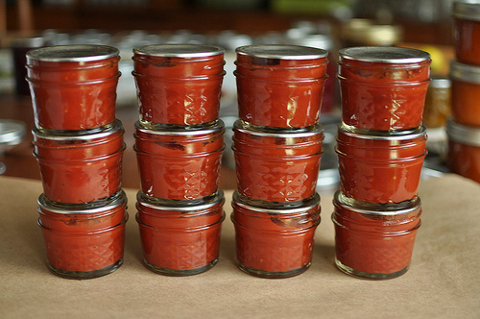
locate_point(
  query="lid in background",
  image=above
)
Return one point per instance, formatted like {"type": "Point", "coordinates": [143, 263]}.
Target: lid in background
{"type": "Point", "coordinates": [462, 133]}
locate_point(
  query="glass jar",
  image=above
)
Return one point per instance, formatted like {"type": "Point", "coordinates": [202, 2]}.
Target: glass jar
{"type": "Point", "coordinates": [276, 165]}
{"type": "Point", "coordinates": [178, 84]}
{"type": "Point", "coordinates": [81, 166]}
{"type": "Point", "coordinates": [380, 167]}
{"type": "Point", "coordinates": [437, 103]}
{"type": "Point", "coordinates": [280, 85]}
{"type": "Point", "coordinates": [276, 240]}
{"type": "Point", "coordinates": [180, 163]}
{"type": "Point", "coordinates": [85, 240]}
{"type": "Point", "coordinates": [466, 21]}
{"type": "Point", "coordinates": [464, 150]}
{"type": "Point", "coordinates": [383, 88]}
{"type": "Point", "coordinates": [374, 241]}
{"type": "Point", "coordinates": [180, 238]}
{"type": "Point", "coordinates": [465, 93]}
{"type": "Point", "coordinates": [73, 87]}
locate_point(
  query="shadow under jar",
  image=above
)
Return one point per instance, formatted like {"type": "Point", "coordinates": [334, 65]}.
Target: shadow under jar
{"type": "Point", "coordinates": [465, 93]}
{"type": "Point", "coordinates": [80, 166]}
{"type": "Point", "coordinates": [84, 241]}
{"type": "Point", "coordinates": [178, 84]}
{"type": "Point", "coordinates": [380, 167]}
{"type": "Point", "coordinates": [277, 165]}
{"type": "Point", "coordinates": [180, 238]}
{"type": "Point", "coordinates": [73, 87]}
{"type": "Point", "coordinates": [374, 241]}
{"type": "Point", "coordinates": [383, 88]}
{"type": "Point", "coordinates": [276, 240]}
{"type": "Point", "coordinates": [466, 22]}
{"type": "Point", "coordinates": [280, 85]}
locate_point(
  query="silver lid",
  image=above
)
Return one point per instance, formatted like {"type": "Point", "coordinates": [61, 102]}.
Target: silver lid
{"type": "Point", "coordinates": [276, 207]}
{"type": "Point", "coordinates": [178, 130]}
{"type": "Point", "coordinates": [179, 50]}
{"type": "Point", "coordinates": [467, 9]}
{"type": "Point", "coordinates": [387, 209]}
{"type": "Point", "coordinates": [83, 135]}
{"type": "Point", "coordinates": [181, 205]}
{"type": "Point", "coordinates": [398, 135]}
{"type": "Point", "coordinates": [462, 133]}
{"type": "Point", "coordinates": [394, 55]}
{"type": "Point", "coordinates": [440, 83]}
{"type": "Point", "coordinates": [282, 52]}
{"type": "Point", "coordinates": [250, 129]}
{"type": "Point", "coordinates": [464, 72]}
{"type": "Point", "coordinates": [99, 206]}
{"type": "Point", "coordinates": [73, 53]}
{"type": "Point", "coordinates": [11, 132]}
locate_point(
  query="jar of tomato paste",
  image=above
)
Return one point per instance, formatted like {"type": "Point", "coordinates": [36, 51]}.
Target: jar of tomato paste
{"type": "Point", "coordinates": [276, 165]}
{"type": "Point", "coordinates": [465, 94]}
{"type": "Point", "coordinates": [466, 19]}
{"type": "Point", "coordinates": [383, 88]}
{"type": "Point", "coordinates": [180, 238]}
{"type": "Point", "coordinates": [73, 87]}
{"type": "Point", "coordinates": [380, 167]}
{"type": "Point", "coordinates": [179, 163]}
{"type": "Point", "coordinates": [280, 85]}
{"type": "Point", "coordinates": [84, 240]}
{"type": "Point", "coordinates": [80, 166]}
{"type": "Point", "coordinates": [464, 150]}
{"type": "Point", "coordinates": [178, 84]}
{"type": "Point", "coordinates": [276, 240]}
{"type": "Point", "coordinates": [374, 241]}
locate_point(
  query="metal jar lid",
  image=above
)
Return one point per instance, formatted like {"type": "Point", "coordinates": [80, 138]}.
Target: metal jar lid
{"type": "Point", "coordinates": [216, 127]}
{"type": "Point", "coordinates": [103, 205]}
{"type": "Point", "coordinates": [464, 72]}
{"type": "Point", "coordinates": [469, 10]}
{"type": "Point", "coordinates": [255, 130]}
{"type": "Point", "coordinates": [399, 135]}
{"type": "Point", "coordinates": [11, 132]}
{"type": "Point", "coordinates": [83, 135]}
{"type": "Point", "coordinates": [393, 55]}
{"type": "Point", "coordinates": [282, 52]}
{"type": "Point", "coordinates": [463, 134]}
{"type": "Point", "coordinates": [73, 53]}
{"type": "Point", "coordinates": [387, 209]}
{"type": "Point", "coordinates": [180, 205]}
{"type": "Point", "coordinates": [179, 50]}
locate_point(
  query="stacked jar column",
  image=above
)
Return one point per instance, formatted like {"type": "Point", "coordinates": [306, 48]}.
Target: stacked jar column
{"type": "Point", "coordinates": [179, 145]}
{"type": "Point", "coordinates": [381, 149]}
{"type": "Point", "coordinates": [79, 145]}
{"type": "Point", "coordinates": [463, 128]}
{"type": "Point", "coordinates": [277, 145]}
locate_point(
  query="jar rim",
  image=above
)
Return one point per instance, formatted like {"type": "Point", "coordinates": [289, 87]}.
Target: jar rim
{"type": "Point", "coordinates": [464, 72]}
{"type": "Point", "coordinates": [187, 51]}
{"type": "Point", "coordinates": [281, 51]}
{"type": "Point", "coordinates": [391, 55]}
{"type": "Point", "coordinates": [208, 128]}
{"type": "Point", "coordinates": [275, 207]}
{"type": "Point", "coordinates": [81, 135]}
{"type": "Point", "coordinates": [462, 133]}
{"type": "Point", "coordinates": [73, 53]}
{"type": "Point", "coordinates": [264, 131]}
{"type": "Point", "coordinates": [397, 135]}
{"type": "Point", "coordinates": [467, 9]}
{"type": "Point", "coordinates": [11, 131]}
{"type": "Point", "coordinates": [216, 199]}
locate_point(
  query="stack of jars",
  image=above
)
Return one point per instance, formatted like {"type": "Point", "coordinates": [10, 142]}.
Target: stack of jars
{"type": "Point", "coordinates": [277, 146]}
{"type": "Point", "coordinates": [380, 148]}
{"type": "Point", "coordinates": [463, 128]}
{"type": "Point", "coordinates": [179, 145]}
{"type": "Point", "coordinates": [79, 145]}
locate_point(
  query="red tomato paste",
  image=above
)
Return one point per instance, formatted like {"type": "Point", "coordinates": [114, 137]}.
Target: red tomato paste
{"type": "Point", "coordinates": [467, 31]}
{"type": "Point", "coordinates": [465, 94]}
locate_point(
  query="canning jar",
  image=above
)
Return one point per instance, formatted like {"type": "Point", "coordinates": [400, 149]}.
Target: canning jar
{"type": "Point", "coordinates": [380, 167]}
{"type": "Point", "coordinates": [437, 103]}
{"type": "Point", "coordinates": [178, 84]}
{"type": "Point", "coordinates": [276, 165]}
{"type": "Point", "coordinates": [274, 240]}
{"type": "Point", "coordinates": [84, 240]}
{"type": "Point", "coordinates": [465, 93]}
{"type": "Point", "coordinates": [374, 241]}
{"type": "Point", "coordinates": [466, 19]}
{"type": "Point", "coordinates": [180, 163]}
{"type": "Point", "coordinates": [80, 166]}
{"type": "Point", "coordinates": [383, 88]}
{"type": "Point", "coordinates": [464, 150]}
{"type": "Point", "coordinates": [280, 85]}
{"type": "Point", "coordinates": [180, 238]}
{"type": "Point", "coordinates": [73, 87]}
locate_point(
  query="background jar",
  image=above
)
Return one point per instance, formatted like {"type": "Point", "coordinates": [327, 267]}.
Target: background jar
{"type": "Point", "coordinates": [82, 166]}
{"type": "Point", "coordinates": [84, 241]}
{"type": "Point", "coordinates": [179, 164]}
{"type": "Point", "coordinates": [383, 88]}
{"type": "Point", "coordinates": [178, 84]}
{"type": "Point", "coordinates": [180, 239]}
{"type": "Point", "coordinates": [374, 241]}
{"type": "Point", "coordinates": [466, 21]}
{"type": "Point", "coordinates": [274, 241]}
{"type": "Point", "coordinates": [465, 94]}
{"type": "Point", "coordinates": [73, 87]}
{"type": "Point", "coordinates": [380, 167]}
{"type": "Point", "coordinates": [464, 150]}
{"type": "Point", "coordinates": [280, 85]}
{"type": "Point", "coordinates": [277, 165]}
